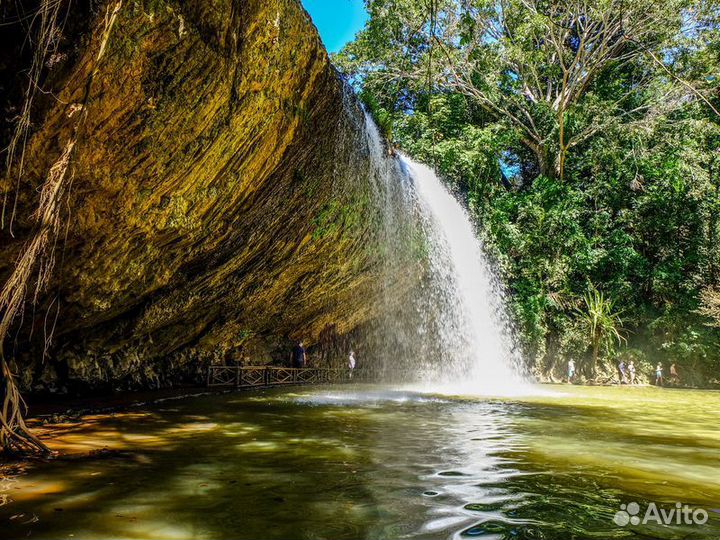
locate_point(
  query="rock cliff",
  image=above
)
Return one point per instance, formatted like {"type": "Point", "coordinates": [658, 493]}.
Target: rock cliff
{"type": "Point", "coordinates": [221, 191]}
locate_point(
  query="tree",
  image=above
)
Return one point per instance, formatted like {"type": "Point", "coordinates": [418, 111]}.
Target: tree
{"type": "Point", "coordinates": [535, 64]}
{"type": "Point", "coordinates": [710, 299]}
{"type": "Point", "coordinates": [601, 323]}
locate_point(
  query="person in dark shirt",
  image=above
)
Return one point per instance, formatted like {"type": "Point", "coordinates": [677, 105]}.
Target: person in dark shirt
{"type": "Point", "coordinates": [298, 355]}
{"type": "Point", "coordinates": [622, 369]}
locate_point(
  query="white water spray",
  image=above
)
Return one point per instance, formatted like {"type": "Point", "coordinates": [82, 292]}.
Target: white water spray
{"type": "Point", "coordinates": [444, 324]}
{"type": "Point", "coordinates": [478, 353]}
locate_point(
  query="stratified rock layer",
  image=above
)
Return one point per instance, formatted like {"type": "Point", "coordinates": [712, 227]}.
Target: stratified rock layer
{"type": "Point", "coordinates": [223, 193]}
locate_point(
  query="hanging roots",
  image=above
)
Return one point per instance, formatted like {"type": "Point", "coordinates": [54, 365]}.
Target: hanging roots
{"type": "Point", "coordinates": [44, 44]}
{"type": "Point", "coordinates": [15, 437]}
{"type": "Point", "coordinates": [39, 251]}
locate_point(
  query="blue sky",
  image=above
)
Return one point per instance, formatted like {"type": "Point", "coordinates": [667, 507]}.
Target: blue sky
{"type": "Point", "coordinates": [337, 20]}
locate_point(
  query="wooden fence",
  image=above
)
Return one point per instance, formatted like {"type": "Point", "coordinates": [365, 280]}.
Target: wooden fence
{"type": "Point", "coordinates": [250, 376]}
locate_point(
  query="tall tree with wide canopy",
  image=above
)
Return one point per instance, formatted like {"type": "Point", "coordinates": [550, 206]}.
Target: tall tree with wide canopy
{"type": "Point", "coordinates": [535, 64]}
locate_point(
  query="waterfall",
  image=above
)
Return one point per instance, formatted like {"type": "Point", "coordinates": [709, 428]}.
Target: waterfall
{"type": "Point", "coordinates": [476, 346]}
{"type": "Point", "coordinates": [443, 324]}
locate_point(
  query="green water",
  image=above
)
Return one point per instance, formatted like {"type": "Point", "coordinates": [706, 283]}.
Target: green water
{"type": "Point", "coordinates": [369, 462]}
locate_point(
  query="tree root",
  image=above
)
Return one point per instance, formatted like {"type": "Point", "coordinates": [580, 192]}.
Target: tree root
{"type": "Point", "coordinates": [15, 437]}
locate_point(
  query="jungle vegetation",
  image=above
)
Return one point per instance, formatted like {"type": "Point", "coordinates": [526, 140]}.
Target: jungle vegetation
{"type": "Point", "coordinates": [585, 138]}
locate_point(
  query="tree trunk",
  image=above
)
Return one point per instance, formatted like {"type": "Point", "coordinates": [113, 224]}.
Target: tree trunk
{"type": "Point", "coordinates": [546, 163]}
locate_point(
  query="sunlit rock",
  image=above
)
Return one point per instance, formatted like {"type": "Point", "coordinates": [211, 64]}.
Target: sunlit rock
{"type": "Point", "coordinates": [221, 193]}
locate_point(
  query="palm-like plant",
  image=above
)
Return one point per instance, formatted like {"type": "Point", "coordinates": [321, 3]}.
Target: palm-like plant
{"type": "Point", "coordinates": [602, 322]}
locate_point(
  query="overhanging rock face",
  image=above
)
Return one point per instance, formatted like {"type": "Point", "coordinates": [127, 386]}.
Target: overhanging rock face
{"type": "Point", "coordinates": [222, 192]}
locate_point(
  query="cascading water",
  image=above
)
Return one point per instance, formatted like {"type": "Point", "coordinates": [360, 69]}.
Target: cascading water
{"type": "Point", "coordinates": [443, 323]}
{"type": "Point", "coordinates": [477, 353]}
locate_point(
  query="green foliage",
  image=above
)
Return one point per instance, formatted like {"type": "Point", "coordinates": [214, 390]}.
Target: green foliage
{"type": "Point", "coordinates": [626, 198]}
{"type": "Point", "coordinates": [601, 324]}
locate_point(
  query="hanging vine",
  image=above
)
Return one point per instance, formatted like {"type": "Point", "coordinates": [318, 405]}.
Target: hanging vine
{"type": "Point", "coordinates": [38, 253]}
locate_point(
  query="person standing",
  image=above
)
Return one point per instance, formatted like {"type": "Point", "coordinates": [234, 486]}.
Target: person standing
{"type": "Point", "coordinates": [674, 377]}
{"type": "Point", "coordinates": [658, 374]}
{"type": "Point", "coordinates": [571, 370]}
{"type": "Point", "coordinates": [631, 370]}
{"type": "Point", "coordinates": [623, 372]}
{"type": "Point", "coordinates": [351, 362]}
{"type": "Point", "coordinates": [298, 355]}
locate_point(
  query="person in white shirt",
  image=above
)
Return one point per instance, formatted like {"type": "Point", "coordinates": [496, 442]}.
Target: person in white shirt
{"type": "Point", "coordinates": [351, 363]}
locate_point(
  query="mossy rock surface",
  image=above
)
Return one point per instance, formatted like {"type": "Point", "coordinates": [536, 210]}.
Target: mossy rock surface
{"type": "Point", "coordinates": [222, 193]}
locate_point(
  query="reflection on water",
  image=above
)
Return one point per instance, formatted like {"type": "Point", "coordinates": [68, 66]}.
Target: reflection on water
{"type": "Point", "coordinates": [368, 462]}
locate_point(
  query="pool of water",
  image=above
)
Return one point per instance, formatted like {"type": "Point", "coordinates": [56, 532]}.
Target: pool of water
{"type": "Point", "coordinates": [372, 462]}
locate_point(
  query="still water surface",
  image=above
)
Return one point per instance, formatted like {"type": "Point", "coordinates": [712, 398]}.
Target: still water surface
{"type": "Point", "coordinates": [373, 462]}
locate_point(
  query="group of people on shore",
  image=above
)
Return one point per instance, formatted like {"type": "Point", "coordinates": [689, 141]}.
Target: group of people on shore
{"type": "Point", "coordinates": [299, 358]}
{"type": "Point", "coordinates": [628, 373]}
